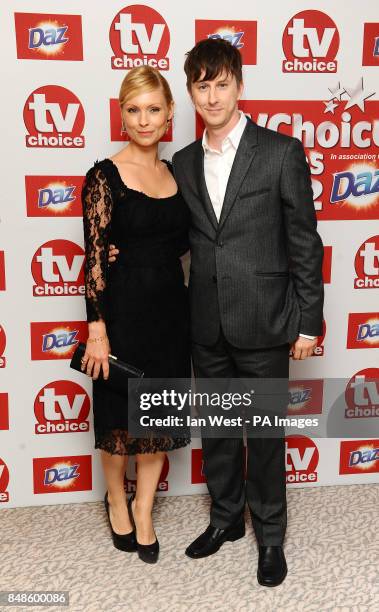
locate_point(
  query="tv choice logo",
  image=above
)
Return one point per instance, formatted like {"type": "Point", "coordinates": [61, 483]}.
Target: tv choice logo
{"type": "Point", "coordinates": [359, 457]}
{"type": "Point", "coordinates": [139, 36]}
{"type": "Point", "coordinates": [305, 397]}
{"type": "Point", "coordinates": [4, 481]}
{"type": "Point", "coordinates": [310, 43]}
{"type": "Point", "coordinates": [306, 121]}
{"type": "Point", "coordinates": [61, 406]}
{"type": "Point", "coordinates": [62, 474]}
{"type": "Point", "coordinates": [329, 141]}
{"type": "Point", "coordinates": [4, 412]}
{"type": "Point", "coordinates": [57, 269]}
{"type": "Point", "coordinates": [115, 125]}
{"type": "Point", "coordinates": [53, 196]}
{"type": "Point", "coordinates": [54, 118]}
{"type": "Point", "coordinates": [362, 394]}
{"type": "Point", "coordinates": [367, 264]}
{"type": "Point", "coordinates": [302, 457]}
{"type": "Point", "coordinates": [56, 340]}
{"type": "Point", "coordinates": [3, 343]}
{"type": "Point", "coordinates": [130, 483]}
{"type": "Point", "coordinates": [241, 34]}
{"type": "Point", "coordinates": [44, 36]}
{"type": "Point", "coordinates": [363, 330]}
{"type": "Point", "coordinates": [370, 55]}
{"type": "Point", "coordinates": [2, 271]}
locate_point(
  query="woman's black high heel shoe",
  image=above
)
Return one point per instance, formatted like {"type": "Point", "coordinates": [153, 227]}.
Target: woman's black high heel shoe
{"type": "Point", "coordinates": [146, 552]}
{"type": "Point", "coordinates": [126, 542]}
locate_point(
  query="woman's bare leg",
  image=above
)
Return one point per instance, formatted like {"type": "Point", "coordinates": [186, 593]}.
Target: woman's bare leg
{"type": "Point", "coordinates": [149, 468]}
{"type": "Point", "coordinates": [114, 467]}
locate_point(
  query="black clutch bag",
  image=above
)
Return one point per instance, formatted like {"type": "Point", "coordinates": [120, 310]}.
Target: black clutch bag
{"type": "Point", "coordinates": [119, 371]}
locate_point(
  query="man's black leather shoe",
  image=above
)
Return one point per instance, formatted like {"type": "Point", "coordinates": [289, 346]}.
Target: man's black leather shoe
{"type": "Point", "coordinates": [272, 566]}
{"type": "Point", "coordinates": [213, 538]}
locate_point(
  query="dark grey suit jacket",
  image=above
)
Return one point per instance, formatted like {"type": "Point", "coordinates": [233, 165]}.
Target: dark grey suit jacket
{"type": "Point", "coordinates": [257, 271]}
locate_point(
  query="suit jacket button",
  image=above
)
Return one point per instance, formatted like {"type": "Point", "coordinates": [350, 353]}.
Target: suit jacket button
{"type": "Point", "coordinates": [220, 244]}
{"type": "Point", "coordinates": [214, 278]}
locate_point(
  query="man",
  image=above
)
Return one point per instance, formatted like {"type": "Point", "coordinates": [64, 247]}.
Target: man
{"type": "Point", "coordinates": [255, 288]}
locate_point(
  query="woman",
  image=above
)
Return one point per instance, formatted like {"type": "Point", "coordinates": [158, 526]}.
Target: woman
{"type": "Point", "coordinates": [137, 308]}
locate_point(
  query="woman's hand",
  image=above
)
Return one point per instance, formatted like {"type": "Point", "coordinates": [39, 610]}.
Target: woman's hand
{"type": "Point", "coordinates": [112, 253]}
{"type": "Point", "coordinates": [97, 351]}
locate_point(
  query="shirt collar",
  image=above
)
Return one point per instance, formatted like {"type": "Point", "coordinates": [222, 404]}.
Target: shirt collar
{"type": "Point", "coordinates": [233, 138]}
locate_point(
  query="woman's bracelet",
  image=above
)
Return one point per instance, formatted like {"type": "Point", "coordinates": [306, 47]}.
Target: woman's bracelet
{"type": "Point", "coordinates": [98, 339]}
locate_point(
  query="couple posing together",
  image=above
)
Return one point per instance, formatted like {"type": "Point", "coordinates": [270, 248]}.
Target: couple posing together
{"type": "Point", "coordinates": [240, 199]}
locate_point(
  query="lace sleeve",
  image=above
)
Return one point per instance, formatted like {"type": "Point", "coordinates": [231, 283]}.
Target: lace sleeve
{"type": "Point", "coordinates": [97, 210]}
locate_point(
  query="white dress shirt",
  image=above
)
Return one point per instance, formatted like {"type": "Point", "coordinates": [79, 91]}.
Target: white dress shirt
{"type": "Point", "coordinates": [218, 164]}
{"type": "Point", "coordinates": [217, 167]}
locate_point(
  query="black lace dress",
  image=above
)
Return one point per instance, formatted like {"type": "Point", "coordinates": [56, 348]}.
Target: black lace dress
{"type": "Point", "coordinates": [141, 297]}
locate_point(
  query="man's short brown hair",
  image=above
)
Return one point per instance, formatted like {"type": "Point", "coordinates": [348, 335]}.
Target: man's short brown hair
{"type": "Point", "coordinates": [213, 55]}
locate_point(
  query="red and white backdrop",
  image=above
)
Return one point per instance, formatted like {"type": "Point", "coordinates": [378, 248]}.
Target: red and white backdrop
{"type": "Point", "coordinates": [309, 73]}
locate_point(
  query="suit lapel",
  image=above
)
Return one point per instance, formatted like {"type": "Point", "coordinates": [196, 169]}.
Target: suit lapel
{"type": "Point", "coordinates": [202, 186]}
{"type": "Point", "coordinates": [244, 156]}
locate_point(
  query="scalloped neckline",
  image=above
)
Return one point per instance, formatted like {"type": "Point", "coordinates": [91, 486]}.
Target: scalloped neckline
{"type": "Point", "coordinates": [136, 190]}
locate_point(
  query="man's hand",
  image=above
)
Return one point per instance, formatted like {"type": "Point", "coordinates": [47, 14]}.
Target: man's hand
{"type": "Point", "coordinates": [112, 253]}
{"type": "Point", "coordinates": [303, 348]}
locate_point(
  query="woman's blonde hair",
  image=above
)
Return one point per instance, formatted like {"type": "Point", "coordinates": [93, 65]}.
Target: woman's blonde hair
{"type": "Point", "coordinates": [141, 80]}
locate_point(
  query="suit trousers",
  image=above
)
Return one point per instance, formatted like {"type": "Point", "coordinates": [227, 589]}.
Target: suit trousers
{"type": "Point", "coordinates": [224, 458]}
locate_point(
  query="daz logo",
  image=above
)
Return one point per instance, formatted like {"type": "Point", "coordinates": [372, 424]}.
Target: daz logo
{"type": "Point", "coordinates": [367, 264]}
{"type": "Point", "coordinates": [310, 43]}
{"type": "Point", "coordinates": [362, 394]}
{"type": "Point", "coordinates": [61, 406]}
{"type": "Point", "coordinates": [54, 118]}
{"type": "Point", "coordinates": [57, 269]}
{"type": "Point", "coordinates": [305, 397]}
{"type": "Point", "coordinates": [301, 459]}
{"type": "Point", "coordinates": [139, 36]}
{"type": "Point", "coordinates": [4, 481]}
{"type": "Point", "coordinates": [241, 34]}
{"type": "Point", "coordinates": [363, 330]}
{"type": "Point", "coordinates": [359, 457]}
{"type": "Point", "coordinates": [53, 196]}
{"type": "Point", "coordinates": [371, 45]}
{"type": "Point", "coordinates": [358, 186]}
{"type": "Point", "coordinates": [56, 340]}
{"type": "Point", "coordinates": [49, 37]}
{"type": "Point", "coordinates": [62, 474]}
